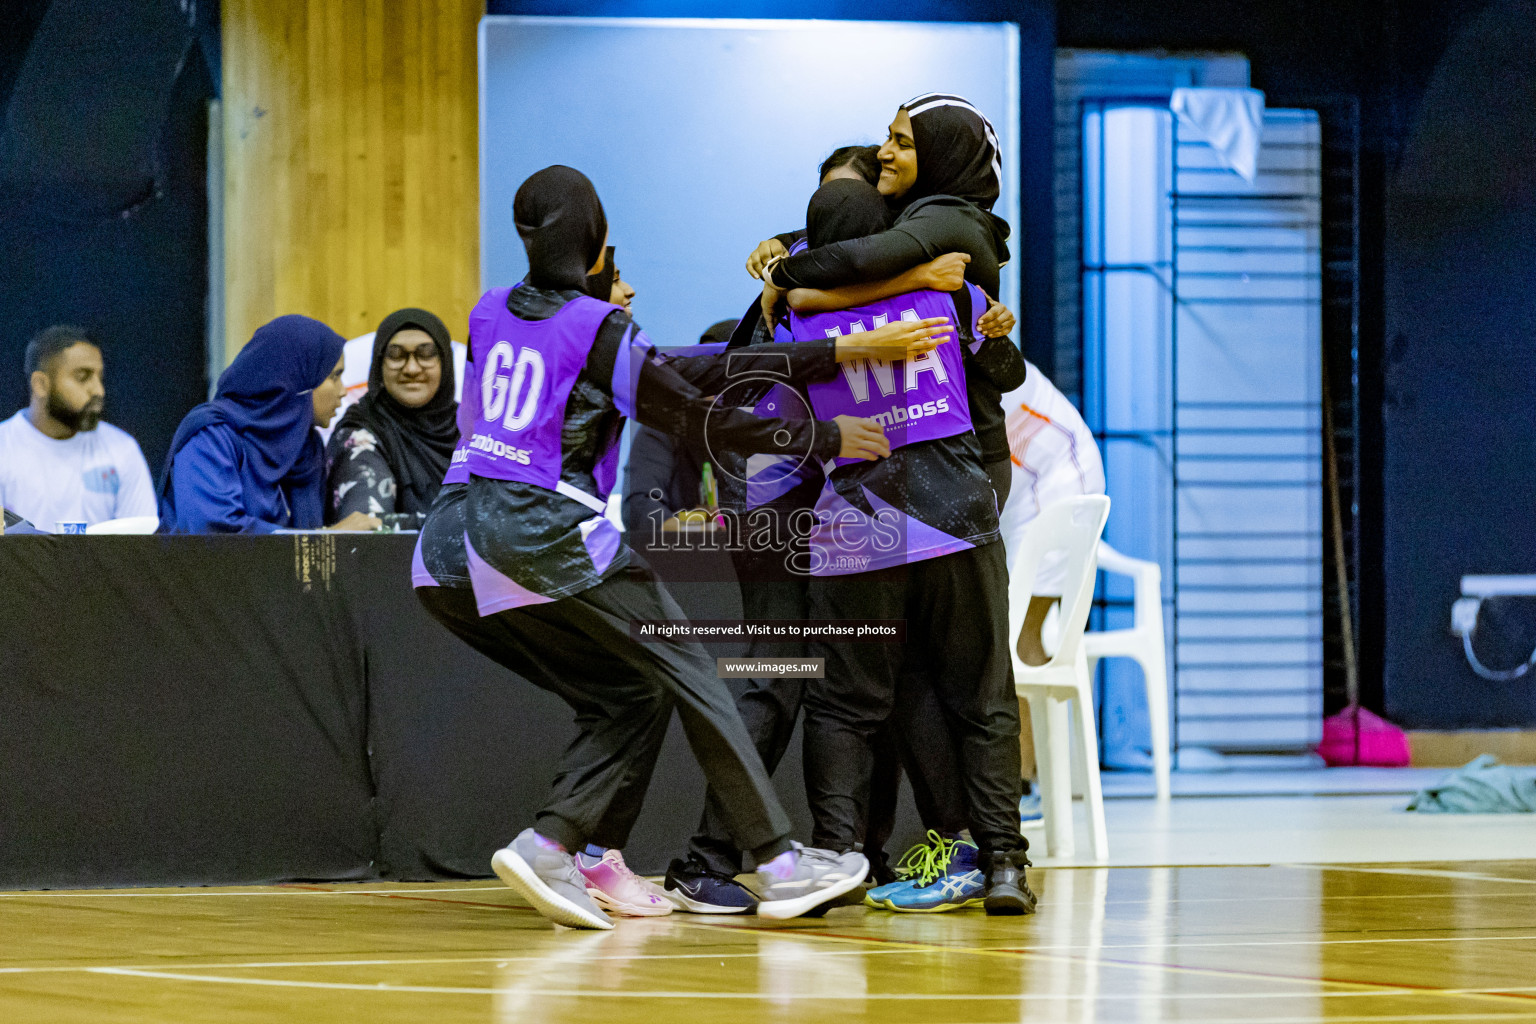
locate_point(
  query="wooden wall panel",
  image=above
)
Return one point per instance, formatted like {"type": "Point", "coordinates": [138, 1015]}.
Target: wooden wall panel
{"type": "Point", "coordinates": [351, 184]}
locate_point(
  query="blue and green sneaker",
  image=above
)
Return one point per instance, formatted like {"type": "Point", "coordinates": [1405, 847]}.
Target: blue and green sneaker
{"type": "Point", "coordinates": [940, 874]}
{"type": "Point", "coordinates": [877, 896]}
{"type": "Point", "coordinates": [915, 862]}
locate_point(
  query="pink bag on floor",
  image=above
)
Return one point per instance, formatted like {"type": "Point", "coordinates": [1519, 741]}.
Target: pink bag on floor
{"type": "Point", "coordinates": [1356, 736]}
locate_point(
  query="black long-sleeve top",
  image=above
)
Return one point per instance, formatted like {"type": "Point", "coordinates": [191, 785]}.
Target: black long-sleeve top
{"type": "Point", "coordinates": [926, 230]}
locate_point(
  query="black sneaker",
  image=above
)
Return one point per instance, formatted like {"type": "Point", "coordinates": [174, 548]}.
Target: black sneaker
{"type": "Point", "coordinates": [880, 870]}
{"type": "Point", "coordinates": [694, 889]}
{"type": "Point", "coordinates": [1008, 893]}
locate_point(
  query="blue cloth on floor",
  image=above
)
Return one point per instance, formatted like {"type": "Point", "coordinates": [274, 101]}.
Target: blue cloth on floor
{"type": "Point", "coordinates": [1482, 786]}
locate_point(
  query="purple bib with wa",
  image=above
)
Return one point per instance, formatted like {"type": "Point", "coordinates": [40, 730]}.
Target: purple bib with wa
{"type": "Point", "coordinates": [524, 373]}
{"type": "Point", "coordinates": [913, 399]}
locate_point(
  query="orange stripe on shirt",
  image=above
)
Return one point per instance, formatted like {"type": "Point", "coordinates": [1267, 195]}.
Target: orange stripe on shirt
{"type": "Point", "coordinates": [1021, 442]}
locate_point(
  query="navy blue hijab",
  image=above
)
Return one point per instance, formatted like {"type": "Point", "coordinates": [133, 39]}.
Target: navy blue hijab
{"type": "Point", "coordinates": [264, 396]}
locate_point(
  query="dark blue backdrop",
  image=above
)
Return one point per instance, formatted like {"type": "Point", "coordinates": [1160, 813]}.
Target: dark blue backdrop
{"type": "Point", "coordinates": [1460, 395]}
{"type": "Point", "coordinates": [103, 197]}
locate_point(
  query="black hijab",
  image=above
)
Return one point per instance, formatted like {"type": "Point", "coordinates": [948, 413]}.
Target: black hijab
{"type": "Point", "coordinates": [845, 208]}
{"type": "Point", "coordinates": [562, 225]}
{"type": "Point", "coordinates": [417, 443]}
{"type": "Point", "coordinates": [957, 152]}
{"type": "Point", "coordinates": [600, 284]}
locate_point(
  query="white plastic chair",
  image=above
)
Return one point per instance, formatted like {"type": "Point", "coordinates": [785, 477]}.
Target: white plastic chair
{"type": "Point", "coordinates": [1073, 526]}
{"type": "Point", "coordinates": [1146, 643]}
{"type": "Point", "coordinates": [127, 524]}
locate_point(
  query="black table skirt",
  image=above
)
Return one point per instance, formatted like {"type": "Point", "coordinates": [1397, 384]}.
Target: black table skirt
{"type": "Point", "coordinates": [228, 710]}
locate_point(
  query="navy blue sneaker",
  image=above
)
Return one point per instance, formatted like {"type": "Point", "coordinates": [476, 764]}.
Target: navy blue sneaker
{"type": "Point", "coordinates": [694, 889]}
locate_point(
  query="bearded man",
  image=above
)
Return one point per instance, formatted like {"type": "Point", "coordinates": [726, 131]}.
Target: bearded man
{"type": "Point", "coordinates": [59, 462]}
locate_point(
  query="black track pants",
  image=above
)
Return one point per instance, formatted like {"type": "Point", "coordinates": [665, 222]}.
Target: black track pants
{"type": "Point", "coordinates": [768, 706]}
{"type": "Point", "coordinates": [956, 613]}
{"type": "Point", "coordinates": [623, 693]}
{"type": "Point", "coordinates": [917, 739]}
{"type": "Point", "coordinates": [919, 742]}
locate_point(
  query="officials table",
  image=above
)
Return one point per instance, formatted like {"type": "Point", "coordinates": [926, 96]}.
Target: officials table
{"type": "Point", "coordinates": [216, 710]}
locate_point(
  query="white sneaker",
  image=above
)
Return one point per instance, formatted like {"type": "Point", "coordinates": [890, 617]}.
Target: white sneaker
{"type": "Point", "coordinates": [548, 879]}
{"type": "Point", "coordinates": [819, 876]}
{"type": "Point", "coordinates": [619, 890]}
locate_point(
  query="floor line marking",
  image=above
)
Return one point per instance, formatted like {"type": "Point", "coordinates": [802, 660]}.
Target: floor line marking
{"type": "Point", "coordinates": [774, 996]}
{"type": "Point", "coordinates": [462, 903]}
{"type": "Point", "coordinates": [1175, 944]}
{"type": "Point", "coordinates": [390, 894]}
{"type": "Point", "coordinates": [1471, 876]}
{"type": "Point", "coordinates": [286, 890]}
{"type": "Point", "coordinates": [678, 994]}
{"type": "Point", "coordinates": [43, 894]}
{"type": "Point", "coordinates": [1373, 1019]}
{"type": "Point", "coordinates": [413, 961]}
{"type": "Point", "coordinates": [1498, 993]}
{"type": "Point", "coordinates": [623, 957]}
{"type": "Point", "coordinates": [1502, 992]}
{"type": "Point", "coordinates": [1027, 953]}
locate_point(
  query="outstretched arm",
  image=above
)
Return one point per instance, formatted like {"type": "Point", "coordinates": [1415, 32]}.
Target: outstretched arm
{"type": "Point", "coordinates": [623, 362]}
{"type": "Point", "coordinates": [810, 361]}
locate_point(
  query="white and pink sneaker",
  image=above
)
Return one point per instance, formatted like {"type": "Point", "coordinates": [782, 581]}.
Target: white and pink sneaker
{"type": "Point", "coordinates": [619, 890]}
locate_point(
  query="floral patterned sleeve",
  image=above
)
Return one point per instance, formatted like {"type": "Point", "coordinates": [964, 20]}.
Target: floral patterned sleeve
{"type": "Point", "coordinates": [360, 480]}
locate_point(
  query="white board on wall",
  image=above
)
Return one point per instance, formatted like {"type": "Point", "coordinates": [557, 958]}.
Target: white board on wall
{"type": "Point", "coordinates": [703, 136]}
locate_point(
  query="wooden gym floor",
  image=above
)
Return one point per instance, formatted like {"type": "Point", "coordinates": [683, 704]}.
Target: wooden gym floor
{"type": "Point", "coordinates": [1275, 943]}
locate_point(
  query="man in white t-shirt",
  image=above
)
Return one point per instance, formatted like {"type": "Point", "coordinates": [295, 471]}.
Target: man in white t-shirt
{"type": "Point", "coordinates": [59, 463]}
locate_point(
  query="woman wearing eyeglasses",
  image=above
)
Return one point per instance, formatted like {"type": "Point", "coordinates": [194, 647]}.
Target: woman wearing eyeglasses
{"type": "Point", "coordinates": [389, 452]}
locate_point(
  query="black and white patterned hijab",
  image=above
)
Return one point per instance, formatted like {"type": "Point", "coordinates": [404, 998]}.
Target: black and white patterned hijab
{"type": "Point", "coordinates": [957, 150]}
